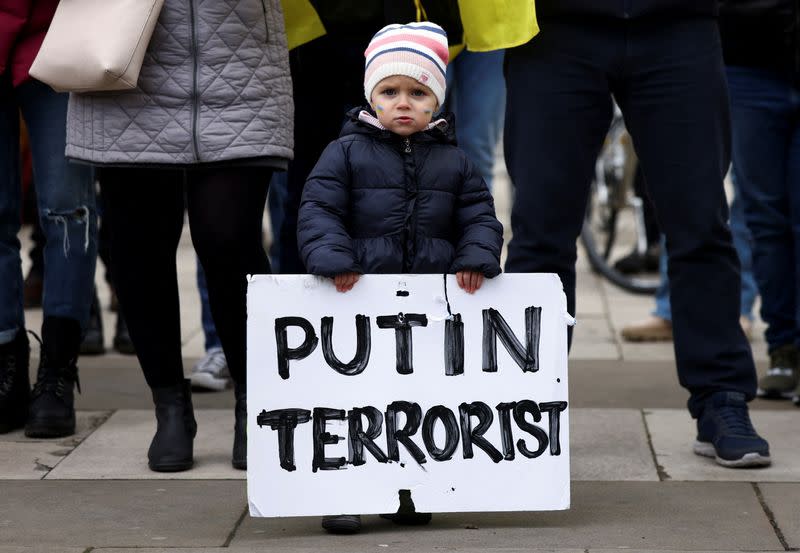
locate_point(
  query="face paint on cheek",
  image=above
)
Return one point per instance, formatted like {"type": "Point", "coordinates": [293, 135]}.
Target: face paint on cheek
{"type": "Point", "coordinates": [378, 107]}
{"type": "Point", "coordinates": [428, 112]}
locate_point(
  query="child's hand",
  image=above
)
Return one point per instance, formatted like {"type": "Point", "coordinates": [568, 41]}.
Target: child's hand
{"type": "Point", "coordinates": [469, 281]}
{"type": "Point", "coordinates": [345, 281]}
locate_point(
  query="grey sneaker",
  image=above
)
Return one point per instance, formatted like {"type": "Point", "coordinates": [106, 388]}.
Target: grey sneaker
{"type": "Point", "coordinates": [342, 524]}
{"type": "Point", "coordinates": [211, 372]}
{"type": "Point", "coordinates": [783, 376]}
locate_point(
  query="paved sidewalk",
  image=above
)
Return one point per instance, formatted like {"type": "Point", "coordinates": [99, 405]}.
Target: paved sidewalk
{"type": "Point", "coordinates": [636, 484]}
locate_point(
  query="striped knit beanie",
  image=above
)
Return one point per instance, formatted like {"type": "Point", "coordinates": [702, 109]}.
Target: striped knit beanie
{"type": "Point", "coordinates": [416, 50]}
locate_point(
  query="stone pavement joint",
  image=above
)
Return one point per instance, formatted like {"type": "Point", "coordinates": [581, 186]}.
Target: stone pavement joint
{"type": "Point", "coordinates": [662, 473]}
{"type": "Point", "coordinates": [770, 516]}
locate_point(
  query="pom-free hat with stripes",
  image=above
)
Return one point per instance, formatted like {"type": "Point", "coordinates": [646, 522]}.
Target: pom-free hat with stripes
{"type": "Point", "coordinates": [416, 50]}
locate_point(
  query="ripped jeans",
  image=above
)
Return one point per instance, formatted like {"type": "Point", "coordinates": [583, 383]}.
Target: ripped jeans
{"type": "Point", "coordinates": [67, 213]}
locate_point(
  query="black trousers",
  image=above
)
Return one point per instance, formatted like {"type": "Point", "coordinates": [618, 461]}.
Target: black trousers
{"type": "Point", "coordinates": [668, 78]}
{"type": "Point", "coordinates": [146, 212]}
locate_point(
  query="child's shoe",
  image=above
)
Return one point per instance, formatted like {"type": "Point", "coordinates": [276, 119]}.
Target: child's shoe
{"type": "Point", "coordinates": [342, 524]}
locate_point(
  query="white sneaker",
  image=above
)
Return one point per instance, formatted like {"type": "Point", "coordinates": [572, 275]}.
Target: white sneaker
{"type": "Point", "coordinates": [211, 372]}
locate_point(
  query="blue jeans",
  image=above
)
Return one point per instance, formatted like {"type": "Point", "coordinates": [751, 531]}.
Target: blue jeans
{"type": "Point", "coordinates": [742, 241]}
{"type": "Point", "coordinates": [66, 202]}
{"type": "Point", "coordinates": [668, 78]}
{"type": "Point", "coordinates": [477, 96]}
{"type": "Point", "coordinates": [209, 329]}
{"type": "Point", "coordinates": [765, 107]}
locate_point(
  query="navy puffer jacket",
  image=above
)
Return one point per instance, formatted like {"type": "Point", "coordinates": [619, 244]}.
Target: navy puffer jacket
{"type": "Point", "coordinates": [380, 203]}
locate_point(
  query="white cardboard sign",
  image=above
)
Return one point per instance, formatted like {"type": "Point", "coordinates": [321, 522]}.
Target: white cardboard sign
{"type": "Point", "coordinates": [406, 382]}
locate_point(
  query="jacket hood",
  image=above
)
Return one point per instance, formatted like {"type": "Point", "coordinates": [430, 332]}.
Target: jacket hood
{"type": "Point", "coordinates": [443, 131]}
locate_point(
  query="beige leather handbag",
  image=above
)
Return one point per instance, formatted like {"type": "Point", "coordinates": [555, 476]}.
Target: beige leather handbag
{"type": "Point", "coordinates": [96, 45]}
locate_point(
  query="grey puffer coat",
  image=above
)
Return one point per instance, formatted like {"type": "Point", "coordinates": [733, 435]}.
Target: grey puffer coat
{"type": "Point", "coordinates": [214, 86]}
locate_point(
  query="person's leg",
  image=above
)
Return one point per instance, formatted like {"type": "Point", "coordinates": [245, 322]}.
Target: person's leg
{"type": "Point", "coordinates": [658, 326]}
{"type": "Point", "coordinates": [674, 98]}
{"type": "Point", "coordinates": [145, 208]}
{"type": "Point", "coordinates": [479, 104]}
{"type": "Point", "coordinates": [68, 217]}
{"type": "Point", "coordinates": [211, 372]}
{"type": "Point", "coordinates": [226, 207]}
{"type": "Point", "coordinates": [743, 243]}
{"type": "Point", "coordinates": [14, 384]}
{"type": "Point", "coordinates": [318, 119]}
{"type": "Point", "coordinates": [552, 139]}
{"type": "Point", "coordinates": [762, 134]}
{"type": "Point", "coordinates": [275, 202]}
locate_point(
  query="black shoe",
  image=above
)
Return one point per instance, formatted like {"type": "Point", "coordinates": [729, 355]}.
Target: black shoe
{"type": "Point", "coordinates": [342, 524]}
{"type": "Point", "coordinates": [52, 408]}
{"type": "Point", "coordinates": [407, 514]}
{"type": "Point", "coordinates": [635, 263]}
{"type": "Point", "coordinates": [725, 433]}
{"type": "Point", "coordinates": [14, 383]}
{"type": "Point", "coordinates": [94, 341]}
{"type": "Point", "coordinates": [122, 340]}
{"type": "Point", "coordinates": [172, 448]}
{"type": "Point", "coordinates": [239, 458]}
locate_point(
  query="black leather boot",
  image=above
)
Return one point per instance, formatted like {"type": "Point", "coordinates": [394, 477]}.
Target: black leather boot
{"type": "Point", "coordinates": [239, 458]}
{"type": "Point", "coordinates": [172, 448]}
{"type": "Point", "coordinates": [14, 383]}
{"type": "Point", "coordinates": [52, 408]}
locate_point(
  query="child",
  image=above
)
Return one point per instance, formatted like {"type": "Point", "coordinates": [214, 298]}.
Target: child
{"type": "Point", "coordinates": [393, 194]}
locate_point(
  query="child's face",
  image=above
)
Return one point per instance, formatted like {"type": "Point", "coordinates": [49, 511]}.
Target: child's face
{"type": "Point", "coordinates": [404, 106]}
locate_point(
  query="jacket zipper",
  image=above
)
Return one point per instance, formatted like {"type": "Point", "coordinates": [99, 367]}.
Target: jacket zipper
{"type": "Point", "coordinates": [409, 247]}
{"type": "Point", "coordinates": [266, 25]}
{"type": "Point", "coordinates": [195, 99]}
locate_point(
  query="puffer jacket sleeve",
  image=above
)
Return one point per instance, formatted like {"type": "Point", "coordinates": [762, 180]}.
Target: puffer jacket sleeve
{"type": "Point", "coordinates": [481, 238]}
{"type": "Point", "coordinates": [322, 238]}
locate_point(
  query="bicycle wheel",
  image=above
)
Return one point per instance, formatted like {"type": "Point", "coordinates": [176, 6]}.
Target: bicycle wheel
{"type": "Point", "coordinates": [609, 233]}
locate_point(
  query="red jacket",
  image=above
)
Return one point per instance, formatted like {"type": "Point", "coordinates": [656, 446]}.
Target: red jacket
{"type": "Point", "coordinates": [23, 24]}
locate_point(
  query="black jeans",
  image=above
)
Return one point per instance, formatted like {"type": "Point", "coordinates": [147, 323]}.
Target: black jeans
{"type": "Point", "coordinates": [146, 210]}
{"type": "Point", "coordinates": [669, 80]}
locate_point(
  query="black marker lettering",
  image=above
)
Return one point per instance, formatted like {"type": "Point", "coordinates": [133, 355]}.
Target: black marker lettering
{"type": "Point", "coordinates": [285, 353]}
{"type": "Point", "coordinates": [393, 435]}
{"type": "Point", "coordinates": [284, 421]}
{"type": "Point", "coordinates": [322, 438]}
{"type": "Point", "coordinates": [454, 346]}
{"type": "Point", "coordinates": [402, 325]}
{"type": "Point", "coordinates": [528, 406]}
{"type": "Point", "coordinates": [358, 439]}
{"type": "Point", "coordinates": [554, 409]}
{"type": "Point", "coordinates": [442, 413]}
{"type": "Point", "coordinates": [471, 435]}
{"type": "Point", "coordinates": [360, 359]}
{"type": "Point", "coordinates": [504, 415]}
{"type": "Point", "coordinates": [495, 325]}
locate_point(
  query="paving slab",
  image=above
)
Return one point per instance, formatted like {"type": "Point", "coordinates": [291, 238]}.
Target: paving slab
{"type": "Point", "coordinates": [637, 515]}
{"type": "Point", "coordinates": [24, 458]}
{"type": "Point", "coordinates": [116, 381]}
{"type": "Point", "coordinates": [590, 351]}
{"type": "Point", "coordinates": [375, 547]}
{"type": "Point", "coordinates": [43, 549]}
{"type": "Point", "coordinates": [118, 450]}
{"type": "Point", "coordinates": [673, 432]}
{"type": "Point", "coordinates": [610, 444]}
{"type": "Point", "coordinates": [660, 351]}
{"type": "Point", "coordinates": [56, 515]}
{"type": "Point", "coordinates": [784, 502]}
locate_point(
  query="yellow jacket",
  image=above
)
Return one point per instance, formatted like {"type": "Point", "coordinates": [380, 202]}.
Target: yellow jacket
{"type": "Point", "coordinates": [488, 24]}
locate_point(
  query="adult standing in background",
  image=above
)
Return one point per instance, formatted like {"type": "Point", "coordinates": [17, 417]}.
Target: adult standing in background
{"type": "Point", "coordinates": [66, 205]}
{"type": "Point", "coordinates": [209, 122]}
{"type": "Point", "coordinates": [761, 44]}
{"type": "Point", "coordinates": [662, 61]}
